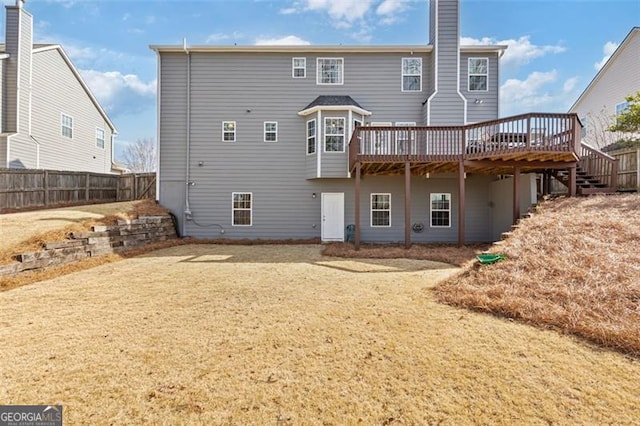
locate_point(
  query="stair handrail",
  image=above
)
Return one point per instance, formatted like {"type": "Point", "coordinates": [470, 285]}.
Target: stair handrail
{"type": "Point", "coordinates": [604, 166]}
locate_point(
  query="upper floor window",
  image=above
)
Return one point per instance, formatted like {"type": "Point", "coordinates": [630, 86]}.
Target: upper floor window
{"type": "Point", "coordinates": [271, 131]}
{"type": "Point", "coordinates": [330, 71]}
{"type": "Point", "coordinates": [411, 74]}
{"type": "Point", "coordinates": [228, 131]}
{"type": "Point", "coordinates": [334, 134]}
{"type": "Point", "coordinates": [621, 108]}
{"type": "Point", "coordinates": [100, 137]}
{"type": "Point", "coordinates": [299, 68]}
{"type": "Point", "coordinates": [478, 74]}
{"type": "Point", "coordinates": [440, 210]}
{"type": "Point", "coordinates": [380, 210]}
{"type": "Point", "coordinates": [311, 137]}
{"type": "Point", "coordinates": [67, 126]}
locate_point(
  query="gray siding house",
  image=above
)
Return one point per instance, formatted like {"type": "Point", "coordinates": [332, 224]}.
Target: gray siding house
{"type": "Point", "coordinates": [401, 142]}
{"type": "Point", "coordinates": [48, 116]}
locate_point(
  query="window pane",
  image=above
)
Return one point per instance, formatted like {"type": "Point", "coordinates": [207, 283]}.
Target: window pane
{"type": "Point", "coordinates": [410, 83]}
{"type": "Point", "coordinates": [334, 143]}
{"type": "Point", "coordinates": [478, 66]}
{"type": "Point", "coordinates": [412, 66]}
{"type": "Point", "coordinates": [330, 71]}
{"type": "Point", "coordinates": [229, 126]}
{"type": "Point", "coordinates": [311, 145]}
{"type": "Point", "coordinates": [311, 128]}
{"type": "Point", "coordinates": [439, 218]}
{"type": "Point", "coordinates": [380, 218]}
{"type": "Point", "coordinates": [478, 82]}
{"type": "Point", "coordinates": [242, 217]}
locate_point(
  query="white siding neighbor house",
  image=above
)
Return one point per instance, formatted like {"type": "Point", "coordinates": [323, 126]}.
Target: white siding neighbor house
{"type": "Point", "coordinates": [604, 97]}
{"type": "Point", "coordinates": [49, 118]}
{"type": "Point", "coordinates": [370, 143]}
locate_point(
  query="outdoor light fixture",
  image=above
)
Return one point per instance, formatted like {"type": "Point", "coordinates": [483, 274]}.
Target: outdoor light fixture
{"type": "Point", "coordinates": [314, 195]}
{"type": "Point", "coordinates": [479, 101]}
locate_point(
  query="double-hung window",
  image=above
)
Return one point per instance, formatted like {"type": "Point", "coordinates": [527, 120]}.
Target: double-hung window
{"type": "Point", "coordinates": [311, 137]}
{"type": "Point", "coordinates": [411, 74]}
{"type": "Point", "coordinates": [478, 74]}
{"type": "Point", "coordinates": [242, 208]}
{"type": "Point", "coordinates": [621, 108]}
{"type": "Point", "coordinates": [100, 137]}
{"type": "Point", "coordinates": [380, 210]}
{"type": "Point", "coordinates": [330, 71]}
{"type": "Point", "coordinates": [334, 129]}
{"type": "Point", "coordinates": [67, 126]}
{"type": "Point", "coordinates": [228, 131]}
{"type": "Point", "coordinates": [299, 67]}
{"type": "Point", "coordinates": [440, 210]}
{"type": "Point", "coordinates": [271, 131]}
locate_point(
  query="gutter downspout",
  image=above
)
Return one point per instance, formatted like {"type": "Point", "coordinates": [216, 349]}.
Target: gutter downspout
{"type": "Point", "coordinates": [187, 211]}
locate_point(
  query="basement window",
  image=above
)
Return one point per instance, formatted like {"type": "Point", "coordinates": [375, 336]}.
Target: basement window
{"type": "Point", "coordinates": [440, 210]}
{"type": "Point", "coordinates": [380, 210]}
{"type": "Point", "coordinates": [242, 209]}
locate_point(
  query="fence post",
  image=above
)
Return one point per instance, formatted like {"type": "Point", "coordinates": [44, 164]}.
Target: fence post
{"type": "Point", "coordinates": [45, 185]}
{"type": "Point", "coordinates": [135, 186]}
{"type": "Point", "coordinates": [614, 175]}
{"type": "Point", "coordinates": [86, 188]}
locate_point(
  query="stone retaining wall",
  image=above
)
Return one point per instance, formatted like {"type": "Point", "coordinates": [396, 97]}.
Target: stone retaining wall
{"type": "Point", "coordinates": [103, 240]}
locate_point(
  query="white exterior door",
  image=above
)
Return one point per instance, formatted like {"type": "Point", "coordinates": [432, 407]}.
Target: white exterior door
{"type": "Point", "coordinates": [332, 216]}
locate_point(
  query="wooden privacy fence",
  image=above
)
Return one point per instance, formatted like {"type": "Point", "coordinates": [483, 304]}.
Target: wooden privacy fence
{"type": "Point", "coordinates": [32, 189]}
{"type": "Point", "coordinates": [628, 168]}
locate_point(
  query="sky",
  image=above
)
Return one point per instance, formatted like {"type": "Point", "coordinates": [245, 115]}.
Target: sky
{"type": "Point", "coordinates": [555, 46]}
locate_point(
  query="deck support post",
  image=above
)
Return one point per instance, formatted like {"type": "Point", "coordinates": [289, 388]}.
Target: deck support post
{"type": "Point", "coordinates": [407, 204]}
{"type": "Point", "coordinates": [572, 181]}
{"type": "Point", "coordinates": [356, 238]}
{"type": "Point", "coordinates": [516, 194]}
{"type": "Point", "coordinates": [461, 199]}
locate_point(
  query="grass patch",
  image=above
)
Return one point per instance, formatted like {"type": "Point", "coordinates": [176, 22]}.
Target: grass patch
{"type": "Point", "coordinates": [572, 266]}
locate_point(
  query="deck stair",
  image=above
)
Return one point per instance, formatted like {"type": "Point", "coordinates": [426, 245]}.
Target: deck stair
{"type": "Point", "coordinates": [585, 183]}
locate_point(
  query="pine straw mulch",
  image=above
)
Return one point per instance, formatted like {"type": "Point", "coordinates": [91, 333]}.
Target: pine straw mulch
{"type": "Point", "coordinates": [573, 266]}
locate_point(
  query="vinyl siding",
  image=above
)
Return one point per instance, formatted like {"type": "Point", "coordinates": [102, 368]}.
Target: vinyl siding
{"type": "Point", "coordinates": [621, 78]}
{"type": "Point", "coordinates": [51, 77]}
{"type": "Point", "coordinates": [3, 151]}
{"type": "Point", "coordinates": [12, 47]}
{"type": "Point", "coordinates": [488, 109]}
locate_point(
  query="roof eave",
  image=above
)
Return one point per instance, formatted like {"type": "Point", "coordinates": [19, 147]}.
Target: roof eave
{"type": "Point", "coordinates": [317, 108]}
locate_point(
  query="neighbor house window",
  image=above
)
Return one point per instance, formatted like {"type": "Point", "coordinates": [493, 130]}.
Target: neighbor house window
{"type": "Point", "coordinates": [67, 126]}
{"type": "Point", "coordinates": [99, 137]}
{"type": "Point", "coordinates": [271, 131]}
{"type": "Point", "coordinates": [621, 108]}
{"type": "Point", "coordinates": [334, 134]}
{"type": "Point", "coordinates": [311, 137]}
{"type": "Point", "coordinates": [228, 131]}
{"type": "Point", "coordinates": [330, 71]}
{"type": "Point", "coordinates": [411, 74]}
{"type": "Point", "coordinates": [478, 74]}
{"type": "Point", "coordinates": [299, 68]}
{"type": "Point", "coordinates": [242, 209]}
{"type": "Point", "coordinates": [380, 210]}
{"type": "Point", "coordinates": [440, 210]}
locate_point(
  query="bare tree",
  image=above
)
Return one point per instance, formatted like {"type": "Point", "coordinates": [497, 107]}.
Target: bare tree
{"type": "Point", "coordinates": [141, 156]}
{"type": "Point", "coordinates": [598, 133]}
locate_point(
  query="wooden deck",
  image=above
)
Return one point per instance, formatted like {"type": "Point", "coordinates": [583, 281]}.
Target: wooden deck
{"type": "Point", "coordinates": [529, 143]}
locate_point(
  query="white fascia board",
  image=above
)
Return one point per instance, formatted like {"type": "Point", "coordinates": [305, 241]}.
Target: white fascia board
{"type": "Point", "coordinates": [317, 108]}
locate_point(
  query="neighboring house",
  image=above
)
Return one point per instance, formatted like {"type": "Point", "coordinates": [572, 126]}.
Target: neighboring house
{"type": "Point", "coordinates": [604, 97]}
{"type": "Point", "coordinates": [280, 142]}
{"type": "Point", "coordinates": [49, 117]}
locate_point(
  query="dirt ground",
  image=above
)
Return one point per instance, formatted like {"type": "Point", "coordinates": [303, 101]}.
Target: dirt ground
{"type": "Point", "coordinates": [212, 334]}
{"type": "Point", "coordinates": [17, 227]}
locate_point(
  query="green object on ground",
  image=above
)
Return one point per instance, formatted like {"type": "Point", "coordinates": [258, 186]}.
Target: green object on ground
{"type": "Point", "coordinates": [489, 258]}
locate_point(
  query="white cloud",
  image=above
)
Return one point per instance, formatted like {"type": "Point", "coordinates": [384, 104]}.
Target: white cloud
{"type": "Point", "coordinates": [538, 92]}
{"type": "Point", "coordinates": [214, 38]}
{"type": "Point", "coordinates": [150, 20]}
{"type": "Point", "coordinates": [389, 10]}
{"type": "Point", "coordinates": [120, 93]}
{"type": "Point", "coordinates": [135, 31]}
{"type": "Point", "coordinates": [77, 53]}
{"type": "Point", "coordinates": [342, 11]}
{"type": "Point", "coordinates": [282, 41]}
{"type": "Point", "coordinates": [608, 49]}
{"type": "Point", "coordinates": [288, 11]}
{"type": "Point", "coordinates": [519, 52]}
{"type": "Point", "coordinates": [126, 16]}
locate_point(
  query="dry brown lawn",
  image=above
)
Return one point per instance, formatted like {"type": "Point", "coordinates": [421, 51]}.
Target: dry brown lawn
{"type": "Point", "coordinates": [214, 334]}
{"type": "Point", "coordinates": [573, 266]}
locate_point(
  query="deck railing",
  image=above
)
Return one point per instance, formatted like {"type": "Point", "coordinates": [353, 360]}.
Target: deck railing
{"type": "Point", "coordinates": [599, 165]}
{"type": "Point", "coordinates": [522, 133]}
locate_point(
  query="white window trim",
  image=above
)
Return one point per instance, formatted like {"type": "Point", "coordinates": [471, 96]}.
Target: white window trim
{"type": "Point", "coordinates": [469, 75]}
{"type": "Point", "coordinates": [381, 210]}
{"type": "Point", "coordinates": [402, 75]}
{"type": "Point", "coordinates": [265, 131]}
{"type": "Point", "coordinates": [315, 136]}
{"type": "Point", "coordinates": [104, 138]}
{"type": "Point", "coordinates": [62, 126]}
{"type": "Point", "coordinates": [324, 133]}
{"type": "Point", "coordinates": [439, 210]}
{"type": "Point", "coordinates": [294, 68]}
{"type": "Point", "coordinates": [233, 209]}
{"type": "Point", "coordinates": [235, 129]}
{"type": "Point", "coordinates": [318, 73]}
